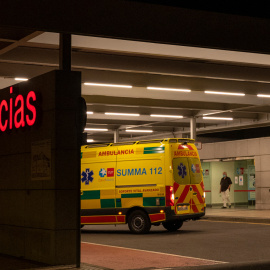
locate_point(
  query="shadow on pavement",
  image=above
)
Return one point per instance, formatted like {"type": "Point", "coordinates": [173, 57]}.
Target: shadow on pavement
{"type": "Point", "coordinates": [260, 265]}
{"type": "Point", "coordinates": [12, 263]}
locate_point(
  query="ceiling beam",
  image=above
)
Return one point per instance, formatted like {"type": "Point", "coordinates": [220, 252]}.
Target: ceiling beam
{"type": "Point", "coordinates": [141, 63]}
{"type": "Point", "coordinates": [19, 42]}
{"type": "Point", "coordinates": [150, 102]}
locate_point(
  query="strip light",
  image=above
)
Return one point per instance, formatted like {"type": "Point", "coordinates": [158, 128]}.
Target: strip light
{"type": "Point", "coordinates": [168, 89]}
{"type": "Point", "coordinates": [90, 112]}
{"type": "Point", "coordinates": [109, 85]}
{"type": "Point", "coordinates": [96, 129]}
{"type": "Point", "coordinates": [218, 118]}
{"type": "Point", "coordinates": [262, 95]}
{"type": "Point", "coordinates": [168, 116]}
{"type": "Point", "coordinates": [126, 114]}
{"type": "Point", "coordinates": [224, 93]}
{"type": "Point", "coordinates": [90, 140]}
{"type": "Point", "coordinates": [139, 130]}
{"type": "Point", "coordinates": [21, 79]}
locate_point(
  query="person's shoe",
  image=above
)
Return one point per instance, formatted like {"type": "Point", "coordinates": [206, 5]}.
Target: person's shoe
{"type": "Point", "coordinates": [223, 207]}
{"type": "Point", "coordinates": [230, 206]}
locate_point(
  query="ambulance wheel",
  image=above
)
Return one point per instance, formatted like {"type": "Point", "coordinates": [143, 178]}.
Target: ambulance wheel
{"type": "Point", "coordinates": [172, 226]}
{"type": "Point", "coordinates": [138, 222]}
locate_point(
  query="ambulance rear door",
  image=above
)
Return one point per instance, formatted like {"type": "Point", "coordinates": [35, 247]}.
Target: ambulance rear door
{"type": "Point", "coordinates": [197, 187]}
{"type": "Point", "coordinates": [182, 187]}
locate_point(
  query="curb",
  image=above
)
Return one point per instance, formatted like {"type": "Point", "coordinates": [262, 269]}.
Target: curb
{"type": "Point", "coordinates": [237, 219]}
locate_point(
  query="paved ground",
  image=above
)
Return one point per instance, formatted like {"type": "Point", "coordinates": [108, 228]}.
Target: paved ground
{"type": "Point", "coordinates": [225, 235]}
{"type": "Point", "coordinates": [217, 241]}
{"type": "Point", "coordinates": [238, 214]}
{"type": "Point", "coordinates": [127, 258]}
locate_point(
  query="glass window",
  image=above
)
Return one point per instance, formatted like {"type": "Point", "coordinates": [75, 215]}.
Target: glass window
{"type": "Point", "coordinates": [195, 170]}
{"type": "Point", "coordinates": [181, 171]}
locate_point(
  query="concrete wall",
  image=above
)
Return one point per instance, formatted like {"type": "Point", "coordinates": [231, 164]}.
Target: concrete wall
{"type": "Point", "coordinates": [39, 217]}
{"type": "Point", "coordinates": [259, 149]}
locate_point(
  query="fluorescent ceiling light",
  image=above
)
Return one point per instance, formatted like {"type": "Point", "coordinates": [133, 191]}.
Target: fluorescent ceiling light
{"type": "Point", "coordinates": [262, 95]}
{"type": "Point", "coordinates": [139, 130]}
{"type": "Point", "coordinates": [169, 116]}
{"type": "Point", "coordinates": [90, 140]}
{"type": "Point", "coordinates": [168, 89]}
{"type": "Point", "coordinates": [109, 85]}
{"type": "Point", "coordinates": [90, 112]}
{"type": "Point", "coordinates": [224, 93]}
{"type": "Point", "coordinates": [126, 114]}
{"type": "Point", "coordinates": [21, 79]}
{"type": "Point", "coordinates": [96, 129]}
{"type": "Point", "coordinates": [217, 118]}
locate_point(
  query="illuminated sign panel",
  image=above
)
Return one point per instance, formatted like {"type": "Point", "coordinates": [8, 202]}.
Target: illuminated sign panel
{"type": "Point", "coordinates": [17, 112]}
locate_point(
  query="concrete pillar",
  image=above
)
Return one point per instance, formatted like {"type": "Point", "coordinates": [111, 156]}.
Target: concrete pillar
{"type": "Point", "coordinates": [193, 128]}
{"type": "Point", "coordinates": [116, 136]}
{"type": "Point", "coordinates": [65, 49]}
{"type": "Point", "coordinates": [262, 172]}
{"type": "Point", "coordinates": [65, 52]}
{"type": "Point", "coordinates": [40, 174]}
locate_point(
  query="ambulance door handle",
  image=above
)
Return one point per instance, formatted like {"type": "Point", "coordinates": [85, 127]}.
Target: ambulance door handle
{"type": "Point", "coordinates": [176, 198]}
{"type": "Point", "coordinates": [195, 193]}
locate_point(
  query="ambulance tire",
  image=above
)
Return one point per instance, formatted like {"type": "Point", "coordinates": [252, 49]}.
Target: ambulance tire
{"type": "Point", "coordinates": [138, 222]}
{"type": "Point", "coordinates": [173, 226]}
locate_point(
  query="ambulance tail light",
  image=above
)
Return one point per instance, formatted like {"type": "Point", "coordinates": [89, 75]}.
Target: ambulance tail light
{"type": "Point", "coordinates": [169, 196]}
{"type": "Point", "coordinates": [204, 194]}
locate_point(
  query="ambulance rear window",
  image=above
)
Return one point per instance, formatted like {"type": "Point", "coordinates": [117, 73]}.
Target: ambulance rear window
{"type": "Point", "coordinates": [195, 170]}
{"type": "Point", "coordinates": [181, 171]}
{"type": "Point", "coordinates": [187, 171]}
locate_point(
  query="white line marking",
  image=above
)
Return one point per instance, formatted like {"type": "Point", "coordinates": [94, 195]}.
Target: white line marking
{"type": "Point", "coordinates": [154, 252]}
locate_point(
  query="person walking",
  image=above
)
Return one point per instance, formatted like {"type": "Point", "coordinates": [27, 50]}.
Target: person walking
{"type": "Point", "coordinates": [225, 184]}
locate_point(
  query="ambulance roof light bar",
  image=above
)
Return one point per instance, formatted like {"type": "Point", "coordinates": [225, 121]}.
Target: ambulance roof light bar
{"type": "Point", "coordinates": [183, 141]}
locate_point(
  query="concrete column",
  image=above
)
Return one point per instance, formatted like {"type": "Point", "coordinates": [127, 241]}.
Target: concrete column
{"type": "Point", "coordinates": [262, 172]}
{"type": "Point", "coordinates": [65, 65]}
{"type": "Point", "coordinates": [116, 136]}
{"type": "Point", "coordinates": [193, 128]}
{"type": "Point", "coordinates": [65, 52]}
{"type": "Point", "coordinates": [45, 221]}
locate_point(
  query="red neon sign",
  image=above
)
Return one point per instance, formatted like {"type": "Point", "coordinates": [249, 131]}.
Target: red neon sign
{"type": "Point", "coordinates": [20, 113]}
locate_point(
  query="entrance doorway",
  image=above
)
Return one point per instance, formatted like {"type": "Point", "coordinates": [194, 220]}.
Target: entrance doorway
{"type": "Point", "coordinates": [242, 174]}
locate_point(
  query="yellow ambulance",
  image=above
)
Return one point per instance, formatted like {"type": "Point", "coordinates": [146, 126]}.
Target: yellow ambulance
{"type": "Point", "coordinates": [142, 183]}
